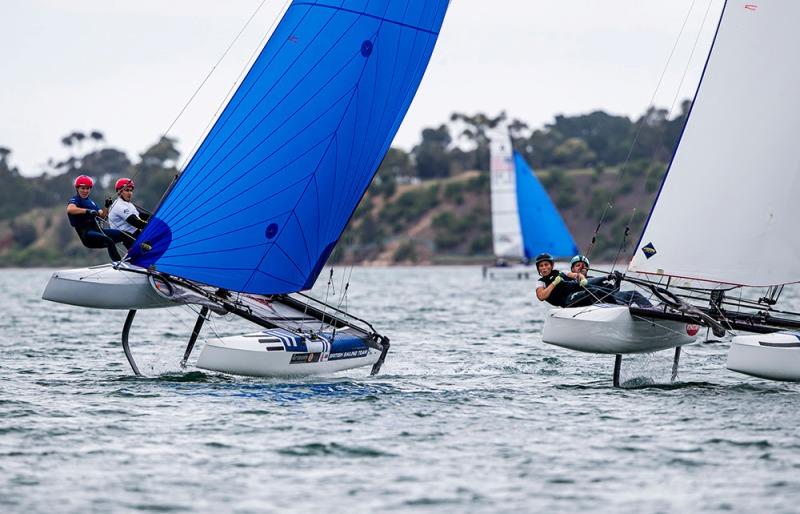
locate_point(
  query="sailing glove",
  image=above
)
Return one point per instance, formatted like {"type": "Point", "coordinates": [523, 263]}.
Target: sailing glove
{"type": "Point", "coordinates": [109, 202]}
{"type": "Point", "coordinates": [583, 282]}
{"type": "Point", "coordinates": [92, 212]}
{"type": "Point", "coordinates": [557, 280]}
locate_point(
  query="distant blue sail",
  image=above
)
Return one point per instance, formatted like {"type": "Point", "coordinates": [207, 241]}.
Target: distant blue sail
{"type": "Point", "coordinates": [543, 229]}
{"type": "Point", "coordinates": [264, 200]}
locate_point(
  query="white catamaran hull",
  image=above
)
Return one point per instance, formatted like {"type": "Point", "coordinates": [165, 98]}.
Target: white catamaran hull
{"type": "Point", "coordinates": [770, 356]}
{"type": "Point", "coordinates": [104, 287]}
{"type": "Point", "coordinates": [264, 355]}
{"type": "Point", "coordinates": [605, 328]}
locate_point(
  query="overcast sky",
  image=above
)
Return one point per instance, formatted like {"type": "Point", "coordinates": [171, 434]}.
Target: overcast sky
{"type": "Point", "coordinates": [127, 68]}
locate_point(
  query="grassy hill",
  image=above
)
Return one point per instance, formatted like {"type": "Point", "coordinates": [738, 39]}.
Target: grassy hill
{"type": "Point", "coordinates": [428, 222]}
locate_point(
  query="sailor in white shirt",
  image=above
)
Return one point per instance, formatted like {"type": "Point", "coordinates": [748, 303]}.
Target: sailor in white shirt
{"type": "Point", "coordinates": [124, 215]}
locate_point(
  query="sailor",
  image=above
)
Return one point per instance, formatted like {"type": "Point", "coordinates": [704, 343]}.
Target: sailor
{"type": "Point", "coordinates": [83, 214]}
{"type": "Point", "coordinates": [553, 286]}
{"type": "Point", "coordinates": [124, 215]}
{"type": "Point", "coordinates": [599, 289]}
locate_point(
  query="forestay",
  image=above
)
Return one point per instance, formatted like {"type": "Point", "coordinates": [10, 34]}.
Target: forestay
{"type": "Point", "coordinates": [727, 210]}
{"type": "Point", "coordinates": [264, 200]}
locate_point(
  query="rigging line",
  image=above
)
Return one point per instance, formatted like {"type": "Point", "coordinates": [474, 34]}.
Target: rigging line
{"type": "Point", "coordinates": [204, 173]}
{"type": "Point", "coordinates": [213, 68]}
{"type": "Point", "coordinates": [624, 242]}
{"type": "Point", "coordinates": [246, 67]}
{"type": "Point", "coordinates": [223, 102]}
{"type": "Point", "coordinates": [640, 124]}
{"type": "Point", "coordinates": [277, 80]}
{"type": "Point", "coordinates": [227, 101]}
{"type": "Point", "coordinates": [680, 85]}
{"type": "Point", "coordinates": [325, 303]}
{"type": "Point", "coordinates": [343, 288]}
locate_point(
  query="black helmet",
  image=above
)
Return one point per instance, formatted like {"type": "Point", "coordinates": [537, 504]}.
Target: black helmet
{"type": "Point", "coordinates": [542, 257]}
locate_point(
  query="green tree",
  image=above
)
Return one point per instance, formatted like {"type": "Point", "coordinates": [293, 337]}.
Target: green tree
{"type": "Point", "coordinates": [476, 130]}
{"type": "Point", "coordinates": [431, 155]}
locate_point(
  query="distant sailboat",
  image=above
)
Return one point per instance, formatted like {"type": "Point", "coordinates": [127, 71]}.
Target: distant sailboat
{"type": "Point", "coordinates": [724, 222]}
{"type": "Point", "coordinates": [524, 220]}
{"type": "Point", "coordinates": [252, 219]}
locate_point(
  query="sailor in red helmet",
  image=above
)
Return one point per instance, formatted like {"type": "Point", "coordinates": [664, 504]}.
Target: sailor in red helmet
{"type": "Point", "coordinates": [83, 213]}
{"type": "Point", "coordinates": [124, 215]}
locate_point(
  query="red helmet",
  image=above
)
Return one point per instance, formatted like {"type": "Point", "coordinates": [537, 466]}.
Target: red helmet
{"type": "Point", "coordinates": [123, 182]}
{"type": "Point", "coordinates": [83, 180]}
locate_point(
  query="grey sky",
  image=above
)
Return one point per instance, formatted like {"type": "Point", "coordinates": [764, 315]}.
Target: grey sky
{"type": "Point", "coordinates": [126, 68]}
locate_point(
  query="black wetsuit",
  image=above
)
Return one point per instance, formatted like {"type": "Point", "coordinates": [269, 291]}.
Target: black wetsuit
{"type": "Point", "coordinates": [560, 293]}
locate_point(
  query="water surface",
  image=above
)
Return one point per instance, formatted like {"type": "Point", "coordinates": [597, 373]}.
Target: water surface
{"type": "Point", "coordinates": [471, 413]}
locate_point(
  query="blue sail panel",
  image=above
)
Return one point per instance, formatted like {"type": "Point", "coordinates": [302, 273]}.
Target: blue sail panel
{"type": "Point", "coordinates": [543, 229]}
{"type": "Point", "coordinates": [265, 198]}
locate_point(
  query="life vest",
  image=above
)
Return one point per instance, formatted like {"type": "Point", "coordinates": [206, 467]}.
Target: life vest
{"type": "Point", "coordinates": [82, 222]}
{"type": "Point", "coordinates": [558, 296]}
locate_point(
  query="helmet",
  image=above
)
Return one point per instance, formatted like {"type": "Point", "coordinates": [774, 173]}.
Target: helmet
{"type": "Point", "coordinates": [579, 258]}
{"type": "Point", "coordinates": [123, 182]}
{"type": "Point", "coordinates": [542, 257]}
{"type": "Point", "coordinates": [83, 180]}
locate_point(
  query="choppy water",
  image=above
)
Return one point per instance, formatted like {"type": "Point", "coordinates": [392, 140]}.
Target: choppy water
{"type": "Point", "coordinates": [472, 413]}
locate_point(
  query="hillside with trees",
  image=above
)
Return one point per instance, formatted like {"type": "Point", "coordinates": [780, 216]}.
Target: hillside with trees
{"type": "Point", "coordinates": [426, 205]}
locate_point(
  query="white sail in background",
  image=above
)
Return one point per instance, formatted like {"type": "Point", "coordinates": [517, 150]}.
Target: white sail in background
{"type": "Point", "coordinates": [727, 211]}
{"type": "Point", "coordinates": [506, 229]}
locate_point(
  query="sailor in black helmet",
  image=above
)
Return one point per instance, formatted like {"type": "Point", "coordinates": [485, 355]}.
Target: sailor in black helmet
{"type": "Point", "coordinates": [553, 286]}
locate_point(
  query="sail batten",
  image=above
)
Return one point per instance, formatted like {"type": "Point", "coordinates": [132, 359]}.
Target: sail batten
{"type": "Point", "coordinates": [293, 152]}
{"type": "Point", "coordinates": [726, 211]}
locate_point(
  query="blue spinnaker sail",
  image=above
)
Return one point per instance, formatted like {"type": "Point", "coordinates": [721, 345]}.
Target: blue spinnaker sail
{"type": "Point", "coordinates": [265, 198]}
{"type": "Point", "coordinates": [543, 229]}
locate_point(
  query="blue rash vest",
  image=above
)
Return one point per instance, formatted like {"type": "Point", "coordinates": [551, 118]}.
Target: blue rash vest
{"type": "Point", "coordinates": [82, 221]}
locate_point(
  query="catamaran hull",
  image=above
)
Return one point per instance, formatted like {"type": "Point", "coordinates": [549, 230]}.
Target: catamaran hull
{"type": "Point", "coordinates": [261, 355]}
{"type": "Point", "coordinates": [770, 356]}
{"type": "Point", "coordinates": [611, 329]}
{"type": "Point", "coordinates": [104, 287]}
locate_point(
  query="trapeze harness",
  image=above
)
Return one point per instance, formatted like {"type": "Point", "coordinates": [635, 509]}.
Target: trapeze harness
{"type": "Point", "coordinates": [558, 296]}
{"type": "Point", "coordinates": [89, 233]}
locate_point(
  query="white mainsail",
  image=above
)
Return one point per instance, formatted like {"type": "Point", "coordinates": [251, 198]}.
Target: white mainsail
{"type": "Point", "coordinates": [506, 229]}
{"type": "Point", "coordinates": [727, 210]}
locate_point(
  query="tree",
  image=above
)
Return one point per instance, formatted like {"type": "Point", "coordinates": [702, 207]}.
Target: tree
{"type": "Point", "coordinates": [162, 154]}
{"type": "Point", "coordinates": [476, 130]}
{"type": "Point", "coordinates": [430, 155]}
{"type": "Point", "coordinates": [574, 152]}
